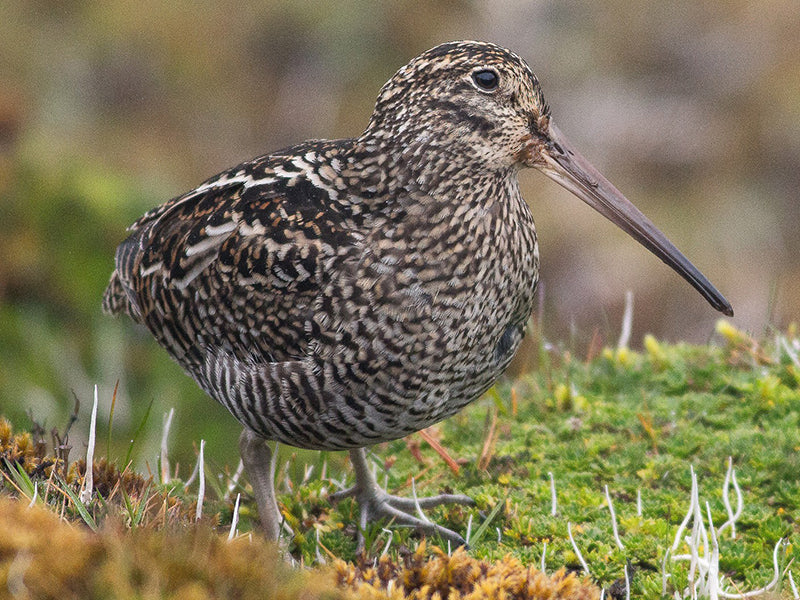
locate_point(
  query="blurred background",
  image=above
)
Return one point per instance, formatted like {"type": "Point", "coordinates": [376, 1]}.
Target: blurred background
{"type": "Point", "coordinates": [692, 108]}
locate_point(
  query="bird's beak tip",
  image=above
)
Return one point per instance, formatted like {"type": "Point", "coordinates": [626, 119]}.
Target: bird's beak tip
{"type": "Point", "coordinates": [556, 158]}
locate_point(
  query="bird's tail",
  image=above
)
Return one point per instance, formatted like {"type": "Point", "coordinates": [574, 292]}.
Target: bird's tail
{"type": "Point", "coordinates": [115, 298]}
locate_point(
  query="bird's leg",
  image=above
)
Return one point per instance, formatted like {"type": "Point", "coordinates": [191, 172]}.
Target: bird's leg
{"type": "Point", "coordinates": [376, 504]}
{"type": "Point", "coordinates": [259, 462]}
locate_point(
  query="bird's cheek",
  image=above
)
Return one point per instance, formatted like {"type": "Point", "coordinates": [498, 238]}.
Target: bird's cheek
{"type": "Point", "coordinates": [530, 150]}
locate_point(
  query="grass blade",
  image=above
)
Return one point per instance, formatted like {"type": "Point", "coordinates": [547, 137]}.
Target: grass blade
{"type": "Point", "coordinates": [484, 527]}
{"type": "Point", "coordinates": [83, 511]}
{"type": "Point", "coordinates": [111, 419]}
{"type": "Point", "coordinates": [22, 480]}
{"type": "Point", "coordinates": [138, 432]}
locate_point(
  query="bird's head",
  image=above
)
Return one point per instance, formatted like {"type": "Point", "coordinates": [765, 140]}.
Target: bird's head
{"type": "Point", "coordinates": [478, 106]}
{"type": "Point", "coordinates": [467, 101]}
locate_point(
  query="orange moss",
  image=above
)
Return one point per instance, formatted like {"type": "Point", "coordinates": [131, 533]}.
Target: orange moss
{"type": "Point", "coordinates": [459, 577]}
{"type": "Point", "coordinates": [108, 479]}
{"type": "Point", "coordinates": [22, 450]}
{"type": "Point", "coordinates": [42, 556]}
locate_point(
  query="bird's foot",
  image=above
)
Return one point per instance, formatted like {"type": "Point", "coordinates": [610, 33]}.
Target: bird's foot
{"type": "Point", "coordinates": [376, 504]}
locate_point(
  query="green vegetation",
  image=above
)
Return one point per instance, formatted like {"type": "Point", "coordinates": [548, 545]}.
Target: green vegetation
{"type": "Point", "coordinates": [638, 423]}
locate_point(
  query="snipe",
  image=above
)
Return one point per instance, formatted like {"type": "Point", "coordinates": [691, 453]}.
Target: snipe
{"type": "Point", "coordinates": [336, 294]}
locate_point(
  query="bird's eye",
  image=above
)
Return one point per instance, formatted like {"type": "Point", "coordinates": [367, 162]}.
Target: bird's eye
{"type": "Point", "coordinates": [486, 79]}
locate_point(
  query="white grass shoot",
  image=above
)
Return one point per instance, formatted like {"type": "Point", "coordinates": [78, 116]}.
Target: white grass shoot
{"type": "Point", "coordinates": [791, 353]}
{"type": "Point", "coordinates": [165, 477]}
{"type": "Point", "coordinates": [613, 520]}
{"type": "Point", "coordinates": [732, 516]}
{"type": "Point", "coordinates": [627, 584]}
{"type": "Point", "coordinates": [193, 476]}
{"type": "Point", "coordinates": [553, 499]}
{"type": "Point", "coordinates": [627, 321]}
{"type": "Point", "coordinates": [235, 518]}
{"type": "Point", "coordinates": [698, 566]}
{"type": "Point", "coordinates": [320, 559]}
{"type": "Point", "coordinates": [416, 501]}
{"type": "Point", "coordinates": [307, 472]}
{"type": "Point", "coordinates": [201, 491]}
{"type": "Point", "coordinates": [544, 558]}
{"type": "Point", "coordinates": [639, 503]}
{"type": "Point", "coordinates": [712, 576]}
{"type": "Point", "coordinates": [795, 595]}
{"type": "Point", "coordinates": [88, 480]}
{"type": "Point", "coordinates": [234, 480]}
{"type": "Point", "coordinates": [388, 542]}
{"type": "Point", "coordinates": [577, 551]}
{"type": "Point", "coordinates": [704, 579]}
{"type": "Point", "coordinates": [469, 529]}
{"type": "Point", "coordinates": [689, 513]}
{"type": "Point", "coordinates": [35, 494]}
{"type": "Point", "coordinates": [665, 575]}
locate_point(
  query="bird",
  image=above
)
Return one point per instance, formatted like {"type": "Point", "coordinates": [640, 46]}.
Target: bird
{"type": "Point", "coordinates": [336, 294]}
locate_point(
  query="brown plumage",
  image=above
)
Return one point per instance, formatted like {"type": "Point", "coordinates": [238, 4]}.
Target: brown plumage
{"type": "Point", "coordinates": [337, 294]}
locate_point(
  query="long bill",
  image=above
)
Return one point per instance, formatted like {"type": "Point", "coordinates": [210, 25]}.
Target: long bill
{"type": "Point", "coordinates": [562, 163]}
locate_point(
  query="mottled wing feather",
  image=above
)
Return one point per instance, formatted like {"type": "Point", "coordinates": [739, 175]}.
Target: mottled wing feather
{"type": "Point", "coordinates": [235, 266]}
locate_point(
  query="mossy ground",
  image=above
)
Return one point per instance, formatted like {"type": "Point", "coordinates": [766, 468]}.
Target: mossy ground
{"type": "Point", "coordinates": [635, 422]}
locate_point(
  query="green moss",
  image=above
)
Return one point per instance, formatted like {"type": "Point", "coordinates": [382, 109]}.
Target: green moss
{"type": "Point", "coordinates": [635, 422]}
